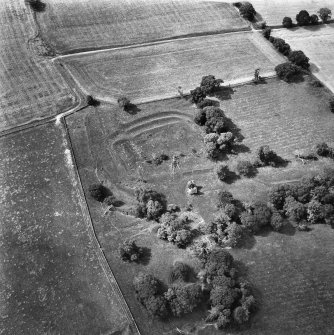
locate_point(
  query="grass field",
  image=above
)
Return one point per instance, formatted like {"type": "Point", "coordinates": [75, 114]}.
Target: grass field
{"type": "Point", "coordinates": [30, 86]}
{"type": "Point", "coordinates": [110, 23]}
{"type": "Point", "coordinates": [111, 146]}
{"type": "Point", "coordinates": [151, 72]}
{"type": "Point", "coordinates": [52, 279]}
{"type": "Point", "coordinates": [273, 11]}
{"type": "Point", "coordinates": [318, 44]}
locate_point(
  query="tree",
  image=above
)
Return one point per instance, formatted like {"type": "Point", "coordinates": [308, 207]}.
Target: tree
{"type": "Point", "coordinates": [97, 191]}
{"type": "Point", "coordinates": [222, 172]}
{"type": "Point", "coordinates": [277, 195]}
{"type": "Point", "coordinates": [197, 95]}
{"type": "Point", "coordinates": [314, 212]}
{"type": "Point", "coordinates": [180, 272]}
{"type": "Point", "coordinates": [259, 216]}
{"type": "Point", "coordinates": [322, 149]}
{"type": "Point", "coordinates": [183, 299]}
{"type": "Point", "coordinates": [281, 46]}
{"type": "Point", "coordinates": [154, 209]}
{"type": "Point", "coordinates": [234, 233]}
{"type": "Point", "coordinates": [210, 84]}
{"type": "Point", "coordinates": [303, 18]}
{"type": "Point", "coordinates": [157, 306]}
{"type": "Point", "coordinates": [200, 117]}
{"type": "Point", "coordinates": [206, 103]}
{"type": "Point", "coordinates": [277, 221]}
{"type": "Point", "coordinates": [295, 210]}
{"type": "Point", "coordinates": [130, 252]}
{"type": "Point", "coordinates": [224, 198]}
{"type": "Point", "coordinates": [266, 32]}
{"type": "Point", "coordinates": [245, 168]}
{"type": "Point", "coordinates": [241, 315]}
{"type": "Point", "coordinates": [265, 156]}
{"type": "Point", "coordinates": [214, 120]}
{"type": "Point", "coordinates": [223, 296]}
{"type": "Point", "coordinates": [287, 71]}
{"type": "Point", "coordinates": [325, 14]}
{"type": "Point", "coordinates": [150, 204]}
{"type": "Point", "coordinates": [247, 11]}
{"type": "Point", "coordinates": [287, 22]}
{"type": "Point", "coordinates": [219, 262]}
{"type": "Point", "coordinates": [314, 19]}
{"type": "Point", "coordinates": [299, 58]}
{"type": "Point", "coordinates": [123, 102]}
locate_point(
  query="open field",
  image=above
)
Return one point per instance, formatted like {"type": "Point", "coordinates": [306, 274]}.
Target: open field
{"type": "Point", "coordinates": [52, 278]}
{"type": "Point", "coordinates": [110, 23]}
{"type": "Point", "coordinates": [273, 11]}
{"type": "Point", "coordinates": [151, 72]}
{"type": "Point", "coordinates": [30, 86]}
{"type": "Point", "coordinates": [318, 44]}
{"type": "Point", "coordinates": [112, 146]}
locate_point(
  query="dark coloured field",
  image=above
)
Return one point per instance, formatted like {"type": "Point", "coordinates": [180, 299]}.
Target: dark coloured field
{"type": "Point", "coordinates": [53, 279]}
{"type": "Point", "coordinates": [112, 146]}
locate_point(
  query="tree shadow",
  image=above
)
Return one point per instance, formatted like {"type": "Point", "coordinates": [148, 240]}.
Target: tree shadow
{"type": "Point", "coordinates": [247, 242]}
{"type": "Point", "coordinates": [242, 269]}
{"type": "Point", "coordinates": [281, 162]}
{"type": "Point", "coordinates": [239, 148]}
{"type": "Point", "coordinates": [132, 109]}
{"type": "Point", "coordinates": [231, 177]}
{"type": "Point", "coordinates": [296, 79]}
{"type": "Point", "coordinates": [118, 203]}
{"type": "Point", "coordinates": [261, 81]}
{"type": "Point", "coordinates": [264, 232]}
{"type": "Point", "coordinates": [234, 129]}
{"type": "Point", "coordinates": [224, 93]}
{"type": "Point", "coordinates": [145, 256]}
{"type": "Point", "coordinates": [288, 229]}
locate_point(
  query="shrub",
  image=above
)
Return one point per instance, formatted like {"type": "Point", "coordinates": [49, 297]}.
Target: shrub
{"type": "Point", "coordinates": [247, 11]}
{"type": "Point", "coordinates": [123, 102]}
{"type": "Point", "coordinates": [210, 84]}
{"type": "Point", "coordinates": [245, 168]}
{"type": "Point", "coordinates": [206, 103]}
{"type": "Point", "coordinates": [36, 5]}
{"type": "Point", "coordinates": [197, 95]}
{"type": "Point", "coordinates": [298, 58]}
{"type": "Point", "coordinates": [287, 22]}
{"type": "Point", "coordinates": [303, 18]}
{"type": "Point", "coordinates": [266, 32]}
{"type": "Point", "coordinates": [325, 14]}
{"type": "Point", "coordinates": [224, 198]}
{"type": "Point", "coordinates": [130, 252]}
{"type": "Point", "coordinates": [287, 71]}
{"type": "Point", "coordinates": [277, 221]}
{"type": "Point", "coordinates": [222, 172]}
{"type": "Point", "coordinates": [314, 19]}
{"type": "Point", "coordinates": [183, 299]}
{"type": "Point", "coordinates": [281, 46]}
{"type": "Point", "coordinates": [97, 191]}
{"type": "Point", "coordinates": [265, 156]}
{"type": "Point", "coordinates": [180, 271]}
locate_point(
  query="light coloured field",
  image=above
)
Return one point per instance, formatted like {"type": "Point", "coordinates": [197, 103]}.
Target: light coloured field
{"type": "Point", "coordinates": [151, 72]}
{"type": "Point", "coordinates": [318, 44]}
{"type": "Point", "coordinates": [273, 11]}
{"type": "Point", "coordinates": [30, 86]}
{"type": "Point", "coordinates": [71, 25]}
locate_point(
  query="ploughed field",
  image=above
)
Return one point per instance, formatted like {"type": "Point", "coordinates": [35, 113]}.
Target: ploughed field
{"type": "Point", "coordinates": [113, 147]}
{"type": "Point", "coordinates": [317, 43]}
{"type": "Point", "coordinates": [110, 23]}
{"type": "Point", "coordinates": [30, 86]}
{"type": "Point", "coordinates": [153, 72]}
{"type": "Point", "coordinates": [52, 279]}
{"type": "Point", "coordinates": [273, 11]}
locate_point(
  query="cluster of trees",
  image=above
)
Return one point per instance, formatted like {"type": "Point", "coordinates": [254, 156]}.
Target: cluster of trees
{"type": "Point", "coordinates": [231, 299]}
{"type": "Point", "coordinates": [246, 10]}
{"type": "Point", "coordinates": [175, 228]}
{"type": "Point", "coordinates": [303, 18]}
{"type": "Point", "coordinates": [208, 86]}
{"type": "Point", "coordinates": [309, 201]}
{"type": "Point", "coordinates": [180, 298]}
{"type": "Point", "coordinates": [218, 143]}
{"type": "Point", "coordinates": [150, 204]}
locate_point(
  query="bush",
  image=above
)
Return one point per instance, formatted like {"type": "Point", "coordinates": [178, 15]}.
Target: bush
{"type": "Point", "coordinates": [266, 32]}
{"type": "Point", "coordinates": [287, 71]}
{"type": "Point", "coordinates": [36, 5]}
{"type": "Point", "coordinates": [247, 11]}
{"type": "Point", "coordinates": [314, 19]}
{"type": "Point", "coordinates": [277, 221]}
{"type": "Point", "coordinates": [210, 84]}
{"type": "Point", "coordinates": [325, 14]}
{"type": "Point", "coordinates": [287, 22]}
{"type": "Point", "coordinates": [180, 271]}
{"type": "Point", "coordinates": [97, 191]}
{"type": "Point", "coordinates": [123, 102]}
{"type": "Point", "coordinates": [206, 103]}
{"type": "Point", "coordinates": [222, 172]}
{"type": "Point", "coordinates": [298, 58]}
{"type": "Point", "coordinates": [197, 95]}
{"type": "Point", "coordinates": [245, 168]}
{"type": "Point", "coordinates": [281, 46]}
{"type": "Point", "coordinates": [183, 299]}
{"type": "Point", "coordinates": [303, 18]}
{"type": "Point", "coordinates": [130, 252]}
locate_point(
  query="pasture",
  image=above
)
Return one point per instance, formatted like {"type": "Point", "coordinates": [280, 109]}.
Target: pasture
{"type": "Point", "coordinates": [30, 86]}
{"type": "Point", "coordinates": [112, 146]}
{"type": "Point", "coordinates": [318, 44]}
{"type": "Point", "coordinates": [110, 23]}
{"type": "Point", "coordinates": [273, 11]}
{"type": "Point", "coordinates": [154, 72]}
{"type": "Point", "coordinates": [52, 278]}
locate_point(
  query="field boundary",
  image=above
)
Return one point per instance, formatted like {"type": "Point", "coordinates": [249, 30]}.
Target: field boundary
{"type": "Point", "coordinates": [92, 234]}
